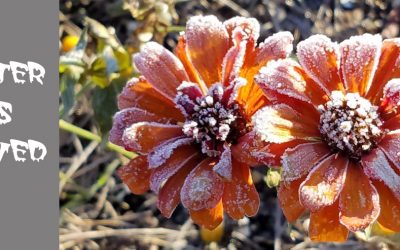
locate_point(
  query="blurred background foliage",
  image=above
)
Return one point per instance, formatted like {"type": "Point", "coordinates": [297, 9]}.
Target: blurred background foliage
{"type": "Point", "coordinates": [97, 41]}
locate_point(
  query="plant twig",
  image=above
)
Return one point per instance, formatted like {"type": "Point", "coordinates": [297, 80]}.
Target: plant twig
{"type": "Point", "coordinates": [137, 232]}
{"type": "Point", "coordinates": [93, 137]}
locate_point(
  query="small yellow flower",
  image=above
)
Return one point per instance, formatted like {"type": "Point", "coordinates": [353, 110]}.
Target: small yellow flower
{"type": "Point", "coordinates": [69, 42]}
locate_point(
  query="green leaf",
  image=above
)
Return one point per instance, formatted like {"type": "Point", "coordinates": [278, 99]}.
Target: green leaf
{"type": "Point", "coordinates": [111, 64]}
{"type": "Point", "coordinates": [123, 59]}
{"type": "Point", "coordinates": [67, 84]}
{"type": "Point", "coordinates": [98, 72]}
{"type": "Point", "coordinates": [104, 103]}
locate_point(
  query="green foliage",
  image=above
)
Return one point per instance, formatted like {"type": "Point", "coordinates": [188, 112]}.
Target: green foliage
{"type": "Point", "coordinates": [104, 104]}
{"type": "Point", "coordinates": [101, 65]}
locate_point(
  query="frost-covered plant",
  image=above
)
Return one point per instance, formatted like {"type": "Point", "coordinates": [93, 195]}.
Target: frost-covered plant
{"type": "Point", "coordinates": [189, 118]}
{"type": "Point", "coordinates": [340, 110]}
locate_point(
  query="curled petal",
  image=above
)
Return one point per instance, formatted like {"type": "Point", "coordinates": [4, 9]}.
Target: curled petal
{"type": "Point", "coordinates": [249, 27]}
{"type": "Point", "coordinates": [277, 46]}
{"type": "Point", "coordinates": [234, 59]}
{"type": "Point", "coordinates": [169, 194]}
{"type": "Point", "coordinates": [202, 188]}
{"type": "Point", "coordinates": [244, 33]}
{"type": "Point", "coordinates": [288, 196]}
{"type": "Point", "coordinates": [224, 166]}
{"type": "Point", "coordinates": [127, 117]}
{"type": "Point", "coordinates": [377, 167]}
{"type": "Point", "coordinates": [161, 153]}
{"type": "Point", "coordinates": [390, 207]}
{"type": "Point", "coordinates": [280, 123]}
{"type": "Point", "coordinates": [359, 61]}
{"type": "Point", "coordinates": [240, 197]}
{"type": "Point", "coordinates": [186, 97]}
{"type": "Point", "coordinates": [286, 77]}
{"type": "Point", "coordinates": [298, 161]}
{"type": "Point", "coordinates": [209, 218]}
{"type": "Point", "coordinates": [391, 92]}
{"type": "Point", "coordinates": [320, 58]}
{"type": "Point", "coordinates": [161, 68]}
{"type": "Point", "coordinates": [190, 89]}
{"type": "Point", "coordinates": [359, 200]}
{"type": "Point", "coordinates": [232, 92]}
{"type": "Point", "coordinates": [388, 68]}
{"type": "Point", "coordinates": [325, 225]}
{"type": "Point", "coordinates": [136, 175]}
{"type": "Point", "coordinates": [144, 136]}
{"type": "Point", "coordinates": [324, 183]}
{"type": "Point", "coordinates": [184, 157]}
{"type": "Point", "coordinates": [140, 94]}
{"type": "Point", "coordinates": [207, 43]}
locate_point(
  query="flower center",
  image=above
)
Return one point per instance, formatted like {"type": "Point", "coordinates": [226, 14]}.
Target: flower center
{"type": "Point", "coordinates": [350, 124]}
{"type": "Point", "coordinates": [211, 119]}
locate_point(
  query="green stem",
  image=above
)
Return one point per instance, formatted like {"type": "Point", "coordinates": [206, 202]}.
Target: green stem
{"type": "Point", "coordinates": [175, 28]}
{"type": "Point", "coordinates": [93, 137]}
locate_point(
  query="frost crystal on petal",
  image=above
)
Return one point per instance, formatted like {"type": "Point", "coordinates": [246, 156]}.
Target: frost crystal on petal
{"type": "Point", "coordinates": [296, 162]}
{"type": "Point", "coordinates": [161, 153]}
{"type": "Point", "coordinates": [279, 45]}
{"type": "Point", "coordinates": [376, 166]}
{"type": "Point", "coordinates": [392, 91]}
{"type": "Point", "coordinates": [359, 61]}
{"type": "Point", "coordinates": [324, 183]}
{"type": "Point", "coordinates": [320, 58]}
{"type": "Point", "coordinates": [270, 126]}
{"type": "Point", "coordinates": [224, 166]}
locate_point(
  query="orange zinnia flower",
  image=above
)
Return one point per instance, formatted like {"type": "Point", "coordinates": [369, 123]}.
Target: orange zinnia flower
{"type": "Point", "coordinates": [188, 114]}
{"type": "Point", "coordinates": [340, 109]}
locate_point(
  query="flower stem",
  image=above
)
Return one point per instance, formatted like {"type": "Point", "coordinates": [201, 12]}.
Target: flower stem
{"type": "Point", "coordinates": [175, 28]}
{"type": "Point", "coordinates": [93, 137]}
